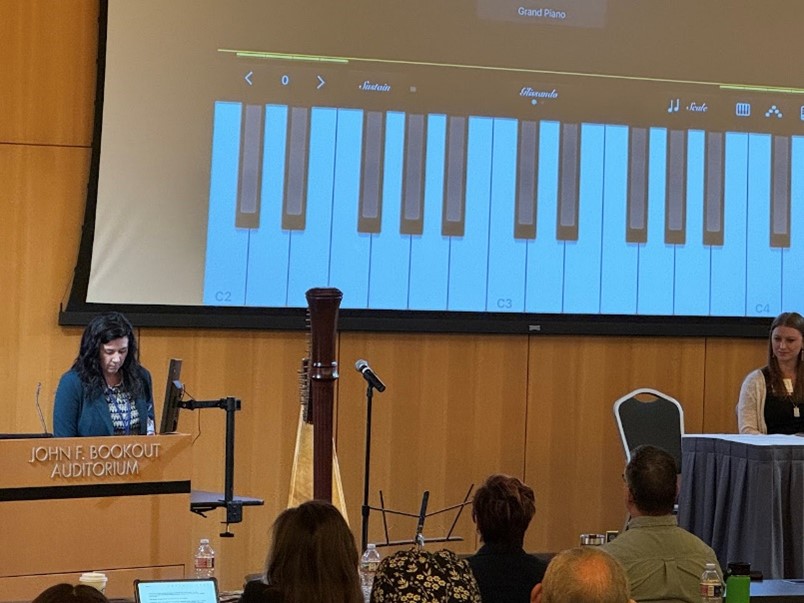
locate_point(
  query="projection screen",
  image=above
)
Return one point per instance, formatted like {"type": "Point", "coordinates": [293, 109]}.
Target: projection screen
{"type": "Point", "coordinates": [457, 165]}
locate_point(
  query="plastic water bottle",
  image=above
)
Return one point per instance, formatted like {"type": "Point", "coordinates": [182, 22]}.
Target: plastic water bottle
{"type": "Point", "coordinates": [204, 560]}
{"type": "Point", "coordinates": [711, 585]}
{"type": "Point", "coordinates": [368, 568]}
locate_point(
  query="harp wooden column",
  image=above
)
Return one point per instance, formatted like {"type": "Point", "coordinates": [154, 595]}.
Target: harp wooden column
{"type": "Point", "coordinates": [323, 304]}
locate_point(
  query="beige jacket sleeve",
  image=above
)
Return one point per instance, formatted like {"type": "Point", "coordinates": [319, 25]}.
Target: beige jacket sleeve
{"type": "Point", "coordinates": [751, 405]}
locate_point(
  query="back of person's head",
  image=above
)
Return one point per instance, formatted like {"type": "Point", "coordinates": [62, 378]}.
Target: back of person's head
{"type": "Point", "coordinates": [651, 476]}
{"type": "Point", "coordinates": [424, 577]}
{"type": "Point", "coordinates": [67, 593]}
{"type": "Point", "coordinates": [502, 509]}
{"type": "Point", "coordinates": [583, 575]}
{"type": "Point", "coordinates": [313, 556]}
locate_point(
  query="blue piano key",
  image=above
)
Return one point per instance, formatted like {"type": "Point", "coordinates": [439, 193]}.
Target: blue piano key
{"type": "Point", "coordinates": [506, 280]}
{"type": "Point", "coordinates": [469, 253]}
{"type": "Point", "coordinates": [763, 262]}
{"type": "Point", "coordinates": [728, 260]}
{"type": "Point", "coordinates": [618, 290]}
{"type": "Point", "coordinates": [656, 258]}
{"type": "Point", "coordinates": [268, 246]}
{"type": "Point", "coordinates": [544, 287]}
{"type": "Point", "coordinates": [349, 263]}
{"type": "Point", "coordinates": [793, 257]}
{"type": "Point", "coordinates": [693, 257]}
{"type": "Point", "coordinates": [310, 248]}
{"type": "Point", "coordinates": [227, 246]}
{"type": "Point", "coordinates": [390, 250]}
{"type": "Point", "coordinates": [582, 257]}
{"type": "Point", "coordinates": [429, 253]}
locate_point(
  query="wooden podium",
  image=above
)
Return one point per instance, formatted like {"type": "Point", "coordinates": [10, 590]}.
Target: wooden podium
{"type": "Point", "coordinates": [120, 505]}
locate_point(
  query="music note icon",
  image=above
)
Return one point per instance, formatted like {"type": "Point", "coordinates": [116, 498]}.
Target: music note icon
{"type": "Point", "coordinates": [674, 105]}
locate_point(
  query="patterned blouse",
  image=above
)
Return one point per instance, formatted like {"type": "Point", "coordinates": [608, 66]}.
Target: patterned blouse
{"type": "Point", "coordinates": [418, 576]}
{"type": "Point", "coordinates": [125, 416]}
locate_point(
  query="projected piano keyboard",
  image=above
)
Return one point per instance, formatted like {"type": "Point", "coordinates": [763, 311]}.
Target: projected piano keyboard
{"type": "Point", "coordinates": [473, 213]}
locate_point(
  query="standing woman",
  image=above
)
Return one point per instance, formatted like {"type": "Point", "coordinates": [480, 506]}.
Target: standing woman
{"type": "Point", "coordinates": [772, 398]}
{"type": "Point", "coordinates": [106, 391]}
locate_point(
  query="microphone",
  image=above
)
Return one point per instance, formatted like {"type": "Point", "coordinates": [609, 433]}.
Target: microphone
{"type": "Point", "coordinates": [39, 409]}
{"type": "Point", "coordinates": [373, 380]}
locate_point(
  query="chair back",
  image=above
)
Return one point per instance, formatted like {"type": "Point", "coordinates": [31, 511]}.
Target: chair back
{"type": "Point", "coordinates": [648, 416]}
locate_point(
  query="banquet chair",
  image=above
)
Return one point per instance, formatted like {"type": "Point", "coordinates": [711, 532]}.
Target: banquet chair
{"type": "Point", "coordinates": [648, 416]}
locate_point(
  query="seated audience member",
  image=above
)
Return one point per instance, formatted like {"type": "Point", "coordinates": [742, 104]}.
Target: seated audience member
{"type": "Point", "coordinates": [67, 593]}
{"type": "Point", "coordinates": [313, 557]}
{"type": "Point", "coordinates": [663, 561]}
{"type": "Point", "coordinates": [424, 577]}
{"type": "Point", "coordinates": [582, 575]}
{"type": "Point", "coordinates": [502, 509]}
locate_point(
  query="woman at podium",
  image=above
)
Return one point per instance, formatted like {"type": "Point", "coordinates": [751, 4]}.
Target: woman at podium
{"type": "Point", "coordinates": [106, 391]}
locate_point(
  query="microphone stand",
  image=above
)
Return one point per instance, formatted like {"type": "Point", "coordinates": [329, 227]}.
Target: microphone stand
{"type": "Point", "coordinates": [365, 509]}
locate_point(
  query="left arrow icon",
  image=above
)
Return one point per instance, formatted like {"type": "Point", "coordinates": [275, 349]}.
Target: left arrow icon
{"type": "Point", "coordinates": [248, 78]}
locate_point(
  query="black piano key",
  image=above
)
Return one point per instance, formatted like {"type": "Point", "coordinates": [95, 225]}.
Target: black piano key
{"type": "Point", "coordinates": [249, 181]}
{"type": "Point", "coordinates": [675, 214]}
{"type": "Point", "coordinates": [294, 206]}
{"type": "Point", "coordinates": [780, 192]}
{"type": "Point", "coordinates": [636, 229]}
{"type": "Point", "coordinates": [453, 216]}
{"type": "Point", "coordinates": [714, 202]}
{"type": "Point", "coordinates": [569, 172]}
{"type": "Point", "coordinates": [412, 215]}
{"type": "Point", "coordinates": [527, 165]}
{"type": "Point", "coordinates": [369, 215]}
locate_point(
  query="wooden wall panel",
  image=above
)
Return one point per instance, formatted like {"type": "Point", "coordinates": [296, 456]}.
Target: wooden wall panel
{"type": "Point", "coordinates": [453, 413]}
{"type": "Point", "coordinates": [48, 50]}
{"type": "Point", "coordinates": [728, 361]}
{"type": "Point", "coordinates": [574, 458]}
{"type": "Point", "coordinates": [260, 369]}
{"type": "Point", "coordinates": [41, 201]}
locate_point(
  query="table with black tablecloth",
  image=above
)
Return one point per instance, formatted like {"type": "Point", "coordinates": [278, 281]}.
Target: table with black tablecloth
{"type": "Point", "coordinates": [744, 496]}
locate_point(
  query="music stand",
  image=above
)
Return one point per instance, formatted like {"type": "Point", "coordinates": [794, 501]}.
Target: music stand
{"type": "Point", "coordinates": [421, 516]}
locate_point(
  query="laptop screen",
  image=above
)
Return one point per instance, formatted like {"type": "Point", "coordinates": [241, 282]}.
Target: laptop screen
{"type": "Point", "coordinates": [204, 590]}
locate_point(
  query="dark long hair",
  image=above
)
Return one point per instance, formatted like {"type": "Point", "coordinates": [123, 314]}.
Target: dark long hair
{"type": "Point", "coordinates": [793, 320]}
{"type": "Point", "coordinates": [102, 329]}
{"type": "Point", "coordinates": [313, 557]}
{"type": "Point", "coordinates": [67, 593]}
